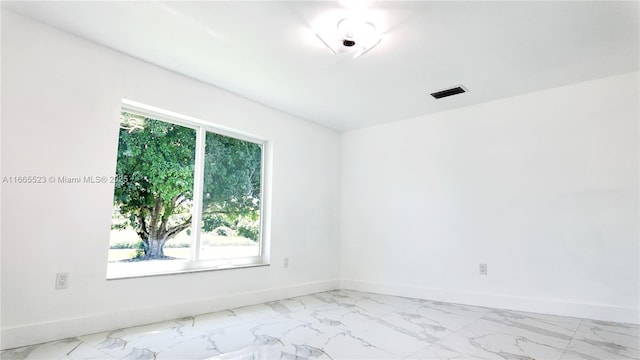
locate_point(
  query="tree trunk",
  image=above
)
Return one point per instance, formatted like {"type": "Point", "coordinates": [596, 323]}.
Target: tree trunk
{"type": "Point", "coordinates": [155, 249]}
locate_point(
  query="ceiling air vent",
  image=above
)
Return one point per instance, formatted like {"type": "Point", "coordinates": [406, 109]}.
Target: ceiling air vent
{"type": "Point", "coordinates": [449, 92]}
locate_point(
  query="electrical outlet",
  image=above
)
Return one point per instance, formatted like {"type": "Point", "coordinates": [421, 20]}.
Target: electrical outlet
{"type": "Point", "coordinates": [483, 269]}
{"type": "Point", "coordinates": [286, 263]}
{"type": "Point", "coordinates": [62, 281]}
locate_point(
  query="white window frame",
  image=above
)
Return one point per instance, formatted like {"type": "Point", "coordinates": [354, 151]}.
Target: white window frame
{"type": "Point", "coordinates": [121, 270]}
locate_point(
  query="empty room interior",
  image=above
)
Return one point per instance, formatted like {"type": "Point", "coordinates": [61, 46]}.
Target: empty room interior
{"type": "Point", "coordinates": [320, 180]}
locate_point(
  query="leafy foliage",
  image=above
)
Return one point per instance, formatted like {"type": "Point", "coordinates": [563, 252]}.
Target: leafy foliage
{"type": "Point", "coordinates": [249, 229]}
{"type": "Point", "coordinates": [231, 176]}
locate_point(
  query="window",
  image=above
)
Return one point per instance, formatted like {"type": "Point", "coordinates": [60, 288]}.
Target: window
{"type": "Point", "coordinates": [187, 196]}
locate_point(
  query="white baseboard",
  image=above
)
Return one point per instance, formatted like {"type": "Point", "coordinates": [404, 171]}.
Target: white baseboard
{"type": "Point", "coordinates": [545, 306]}
{"type": "Point", "coordinates": [23, 335]}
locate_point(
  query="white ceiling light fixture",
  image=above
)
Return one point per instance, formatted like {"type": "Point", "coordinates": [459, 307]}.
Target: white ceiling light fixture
{"type": "Point", "coordinates": [351, 37]}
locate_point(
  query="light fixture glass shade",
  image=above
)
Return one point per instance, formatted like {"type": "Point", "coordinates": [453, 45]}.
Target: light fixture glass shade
{"type": "Point", "coordinates": [351, 37]}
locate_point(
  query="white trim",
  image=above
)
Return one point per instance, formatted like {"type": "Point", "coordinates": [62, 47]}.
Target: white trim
{"type": "Point", "coordinates": [188, 121]}
{"type": "Point", "coordinates": [500, 301]}
{"type": "Point", "coordinates": [128, 270]}
{"type": "Point", "coordinates": [198, 186]}
{"type": "Point", "coordinates": [23, 335]}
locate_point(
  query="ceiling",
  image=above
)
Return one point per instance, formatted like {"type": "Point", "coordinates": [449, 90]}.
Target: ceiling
{"type": "Point", "coordinates": [268, 52]}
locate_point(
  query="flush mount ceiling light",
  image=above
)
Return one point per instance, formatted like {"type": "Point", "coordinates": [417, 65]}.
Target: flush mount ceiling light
{"type": "Point", "coordinates": [351, 37]}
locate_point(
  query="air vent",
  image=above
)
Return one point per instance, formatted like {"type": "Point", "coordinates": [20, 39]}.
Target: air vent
{"type": "Point", "coordinates": [449, 92]}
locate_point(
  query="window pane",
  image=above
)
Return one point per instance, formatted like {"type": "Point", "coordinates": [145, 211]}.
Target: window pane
{"type": "Point", "coordinates": [154, 191]}
{"type": "Point", "coordinates": [231, 198]}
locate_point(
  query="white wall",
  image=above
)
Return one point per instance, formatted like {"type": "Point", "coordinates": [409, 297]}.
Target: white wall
{"type": "Point", "coordinates": [541, 187]}
{"type": "Point", "coordinates": [60, 104]}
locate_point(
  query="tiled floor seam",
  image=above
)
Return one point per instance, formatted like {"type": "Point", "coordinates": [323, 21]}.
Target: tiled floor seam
{"type": "Point", "coordinates": [564, 351]}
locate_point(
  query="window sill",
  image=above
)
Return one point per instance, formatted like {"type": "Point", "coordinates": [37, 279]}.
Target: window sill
{"type": "Point", "coordinates": [121, 273]}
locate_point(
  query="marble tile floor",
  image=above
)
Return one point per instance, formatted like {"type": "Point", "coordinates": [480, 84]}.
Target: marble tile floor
{"type": "Point", "coordinates": [345, 324]}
